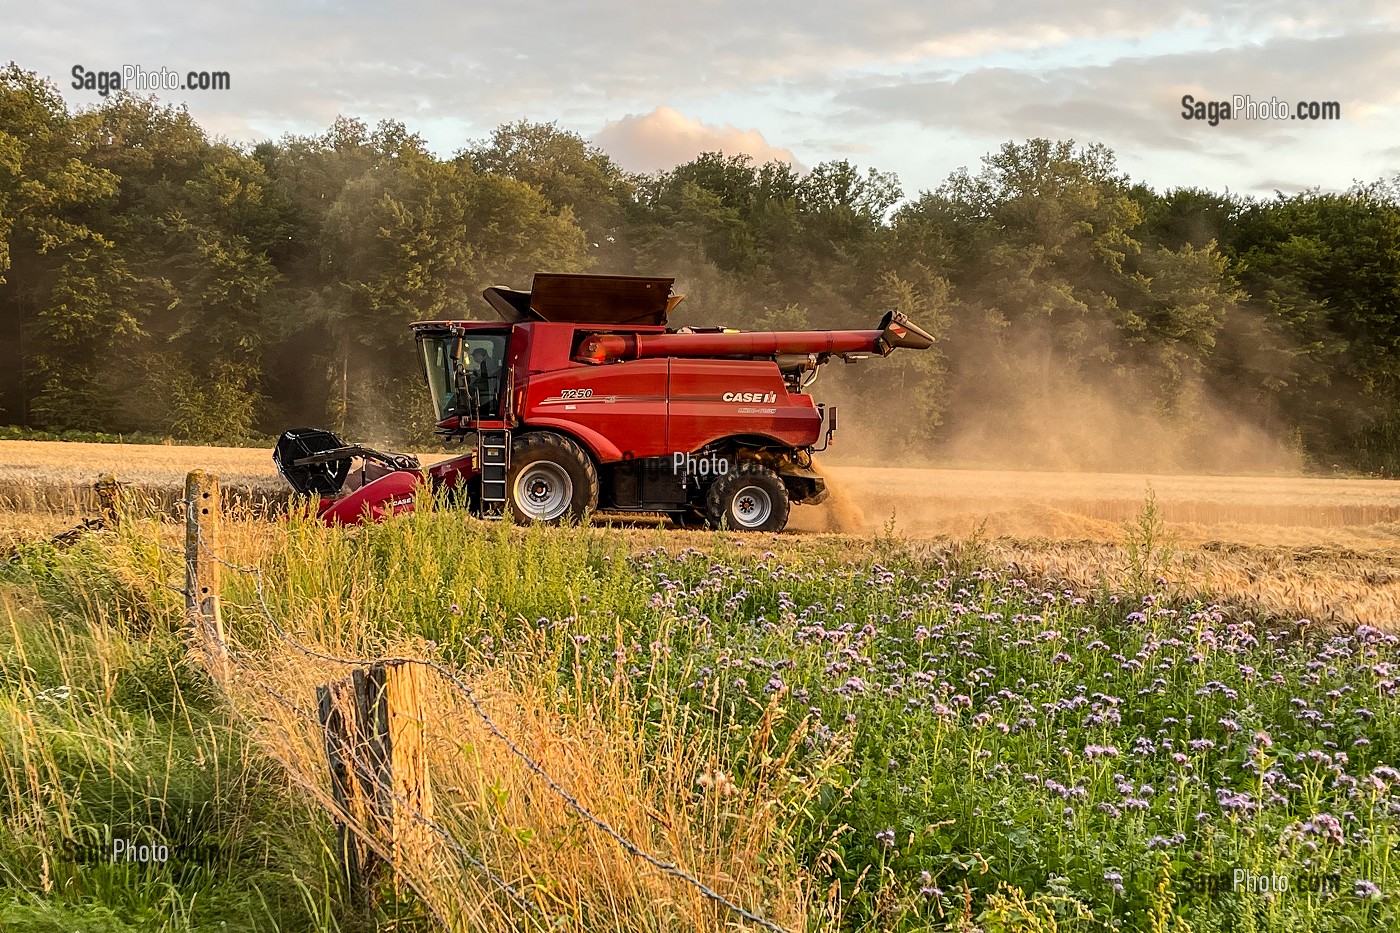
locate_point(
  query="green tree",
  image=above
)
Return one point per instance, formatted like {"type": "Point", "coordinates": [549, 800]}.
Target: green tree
{"type": "Point", "coordinates": [418, 240]}
{"type": "Point", "coordinates": [60, 282]}
{"type": "Point", "coordinates": [1324, 270]}
{"type": "Point", "coordinates": [569, 172]}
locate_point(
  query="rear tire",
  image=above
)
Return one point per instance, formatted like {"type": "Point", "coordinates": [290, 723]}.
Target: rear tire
{"type": "Point", "coordinates": [752, 498]}
{"type": "Point", "coordinates": [551, 478]}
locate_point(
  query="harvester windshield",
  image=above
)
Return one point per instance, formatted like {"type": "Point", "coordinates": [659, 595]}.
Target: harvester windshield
{"type": "Point", "coordinates": [464, 373]}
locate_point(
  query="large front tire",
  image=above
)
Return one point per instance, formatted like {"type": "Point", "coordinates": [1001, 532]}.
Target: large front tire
{"type": "Point", "coordinates": [752, 498]}
{"type": "Point", "coordinates": [551, 479]}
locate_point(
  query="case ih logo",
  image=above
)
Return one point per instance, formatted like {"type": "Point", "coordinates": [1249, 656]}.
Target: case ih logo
{"type": "Point", "coordinates": [750, 396]}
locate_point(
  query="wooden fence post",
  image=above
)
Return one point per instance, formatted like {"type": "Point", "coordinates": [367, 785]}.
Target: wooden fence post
{"type": "Point", "coordinates": [341, 707]}
{"type": "Point", "coordinates": [404, 743]}
{"type": "Point", "coordinates": [375, 726]}
{"type": "Point", "coordinates": [203, 524]}
{"type": "Point", "coordinates": [108, 499]}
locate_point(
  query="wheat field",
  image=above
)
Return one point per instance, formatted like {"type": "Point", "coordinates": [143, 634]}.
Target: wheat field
{"type": "Point", "coordinates": [1281, 510]}
{"type": "Point", "coordinates": [1327, 549]}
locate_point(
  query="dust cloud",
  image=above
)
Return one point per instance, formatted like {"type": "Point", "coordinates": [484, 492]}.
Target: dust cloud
{"type": "Point", "coordinates": [1025, 440]}
{"type": "Point", "coordinates": [839, 513]}
{"type": "Point", "coordinates": [997, 415]}
{"type": "Point", "coordinates": [1097, 428]}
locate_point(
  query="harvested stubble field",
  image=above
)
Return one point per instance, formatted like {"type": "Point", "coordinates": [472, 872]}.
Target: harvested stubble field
{"type": "Point", "coordinates": [1326, 549]}
{"type": "Point", "coordinates": [1265, 510]}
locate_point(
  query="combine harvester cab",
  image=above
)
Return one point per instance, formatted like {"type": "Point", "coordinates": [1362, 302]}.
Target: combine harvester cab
{"type": "Point", "coordinates": [580, 399]}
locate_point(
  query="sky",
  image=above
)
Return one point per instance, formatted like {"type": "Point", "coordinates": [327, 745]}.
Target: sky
{"type": "Point", "coordinates": [907, 86]}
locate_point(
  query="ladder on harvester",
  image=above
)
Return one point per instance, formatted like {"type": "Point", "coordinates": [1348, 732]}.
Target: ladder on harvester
{"type": "Point", "coordinates": [493, 455]}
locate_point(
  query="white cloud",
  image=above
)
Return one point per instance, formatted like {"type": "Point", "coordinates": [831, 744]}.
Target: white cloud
{"type": "Point", "coordinates": [666, 138]}
{"type": "Point", "coordinates": [903, 84]}
{"type": "Point", "coordinates": [1134, 103]}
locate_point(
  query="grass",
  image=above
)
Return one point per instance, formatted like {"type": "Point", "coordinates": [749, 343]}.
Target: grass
{"type": "Point", "coordinates": [839, 734]}
{"type": "Point", "coordinates": [108, 734]}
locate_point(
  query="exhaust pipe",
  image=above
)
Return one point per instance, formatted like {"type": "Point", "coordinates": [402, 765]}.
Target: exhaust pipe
{"type": "Point", "coordinates": [896, 330]}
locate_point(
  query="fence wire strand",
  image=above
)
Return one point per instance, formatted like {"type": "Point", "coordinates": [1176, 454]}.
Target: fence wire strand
{"type": "Point", "coordinates": [364, 774]}
{"type": "Point", "coordinates": [572, 802]}
{"type": "Point", "coordinates": [211, 635]}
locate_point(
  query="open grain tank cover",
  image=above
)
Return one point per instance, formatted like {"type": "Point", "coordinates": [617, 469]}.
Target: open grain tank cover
{"type": "Point", "coordinates": [587, 299]}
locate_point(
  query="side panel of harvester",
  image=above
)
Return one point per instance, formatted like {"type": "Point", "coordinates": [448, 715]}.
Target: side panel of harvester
{"type": "Point", "coordinates": [388, 495]}
{"type": "Point", "coordinates": [657, 407]}
{"type": "Point", "coordinates": [618, 411]}
{"type": "Point", "coordinates": [715, 399]}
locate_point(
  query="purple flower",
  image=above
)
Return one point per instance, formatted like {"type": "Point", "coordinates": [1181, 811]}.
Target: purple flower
{"type": "Point", "coordinates": [929, 889]}
{"type": "Point", "coordinates": [1234, 802]}
{"type": "Point", "coordinates": [886, 838]}
{"type": "Point", "coordinates": [1326, 826]}
{"type": "Point", "coordinates": [1367, 890]}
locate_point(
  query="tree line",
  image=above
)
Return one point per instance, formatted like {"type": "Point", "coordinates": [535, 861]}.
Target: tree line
{"type": "Point", "coordinates": [156, 280]}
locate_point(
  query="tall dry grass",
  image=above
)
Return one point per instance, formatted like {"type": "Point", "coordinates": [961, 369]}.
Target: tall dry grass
{"type": "Point", "coordinates": [505, 815]}
{"type": "Point", "coordinates": [633, 756]}
{"type": "Point", "coordinates": [107, 733]}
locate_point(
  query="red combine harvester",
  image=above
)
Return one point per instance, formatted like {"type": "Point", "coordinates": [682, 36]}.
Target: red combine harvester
{"type": "Point", "coordinates": [580, 399]}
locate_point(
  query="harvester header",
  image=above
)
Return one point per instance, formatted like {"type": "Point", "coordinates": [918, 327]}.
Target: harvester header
{"type": "Point", "coordinates": [582, 398]}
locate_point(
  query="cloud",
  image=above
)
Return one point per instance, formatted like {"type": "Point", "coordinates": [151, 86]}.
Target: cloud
{"type": "Point", "coordinates": [1134, 102]}
{"type": "Point", "coordinates": [922, 87]}
{"type": "Point", "coordinates": [666, 138]}
{"type": "Point", "coordinates": [500, 61]}
{"type": "Point", "coordinates": [1287, 187]}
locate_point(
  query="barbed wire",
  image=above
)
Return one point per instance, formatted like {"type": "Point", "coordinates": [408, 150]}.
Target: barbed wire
{"type": "Point", "coordinates": [211, 634]}
{"type": "Point", "coordinates": [631, 848]}
{"type": "Point", "coordinates": [364, 774]}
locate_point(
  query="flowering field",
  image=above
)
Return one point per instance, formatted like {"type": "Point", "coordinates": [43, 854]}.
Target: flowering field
{"type": "Point", "coordinates": [1116, 760]}
{"type": "Point", "coordinates": [963, 748]}
{"type": "Point", "coordinates": [840, 734]}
